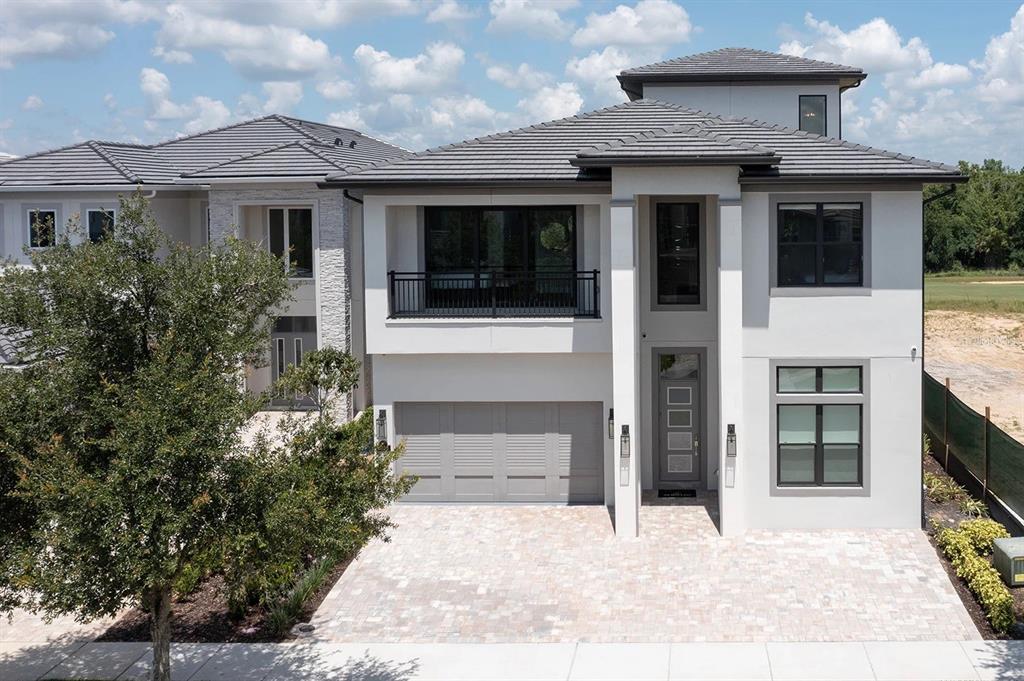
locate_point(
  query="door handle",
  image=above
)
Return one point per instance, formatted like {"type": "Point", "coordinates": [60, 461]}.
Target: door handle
{"type": "Point", "coordinates": [696, 446]}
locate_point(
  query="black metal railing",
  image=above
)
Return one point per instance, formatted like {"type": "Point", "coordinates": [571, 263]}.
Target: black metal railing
{"type": "Point", "coordinates": [426, 295]}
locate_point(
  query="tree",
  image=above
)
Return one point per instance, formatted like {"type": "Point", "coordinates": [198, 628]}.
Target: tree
{"type": "Point", "coordinates": [119, 439]}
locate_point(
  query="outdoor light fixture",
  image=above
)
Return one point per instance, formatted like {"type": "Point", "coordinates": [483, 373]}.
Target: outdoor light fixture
{"type": "Point", "coordinates": [611, 424]}
{"type": "Point", "coordinates": [730, 440]}
{"type": "Point", "coordinates": [624, 457]}
{"type": "Point", "coordinates": [382, 426]}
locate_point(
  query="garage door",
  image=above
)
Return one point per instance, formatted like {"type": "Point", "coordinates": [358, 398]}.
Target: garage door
{"type": "Point", "coordinates": [503, 451]}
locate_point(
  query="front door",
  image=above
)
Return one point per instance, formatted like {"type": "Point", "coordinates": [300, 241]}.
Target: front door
{"type": "Point", "coordinates": [679, 418]}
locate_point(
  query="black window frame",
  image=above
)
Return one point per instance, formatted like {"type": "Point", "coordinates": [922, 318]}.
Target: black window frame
{"type": "Point", "coordinates": [819, 445]}
{"type": "Point", "coordinates": [824, 113]}
{"type": "Point", "coordinates": [819, 244]}
{"type": "Point", "coordinates": [656, 256]}
{"type": "Point", "coordinates": [35, 216]}
{"type": "Point", "coordinates": [111, 213]}
{"type": "Point", "coordinates": [819, 380]}
{"type": "Point", "coordinates": [431, 213]}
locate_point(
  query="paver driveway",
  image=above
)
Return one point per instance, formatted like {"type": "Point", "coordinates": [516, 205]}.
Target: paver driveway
{"type": "Point", "coordinates": [550, 573]}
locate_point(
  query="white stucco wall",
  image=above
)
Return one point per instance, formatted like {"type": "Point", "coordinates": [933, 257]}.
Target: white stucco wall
{"type": "Point", "coordinates": [777, 103]}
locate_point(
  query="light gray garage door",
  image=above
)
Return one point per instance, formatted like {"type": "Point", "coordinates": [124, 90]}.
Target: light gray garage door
{"type": "Point", "coordinates": [503, 451]}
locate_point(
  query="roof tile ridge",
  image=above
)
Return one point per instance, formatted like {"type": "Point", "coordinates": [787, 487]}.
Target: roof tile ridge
{"type": "Point", "coordinates": [311, 148]}
{"type": "Point", "coordinates": [212, 130]}
{"type": "Point", "coordinates": [73, 145]}
{"type": "Point", "coordinates": [838, 142]}
{"type": "Point", "coordinates": [117, 164]}
{"type": "Point", "coordinates": [296, 127]}
{"type": "Point", "coordinates": [242, 157]}
{"type": "Point", "coordinates": [357, 133]}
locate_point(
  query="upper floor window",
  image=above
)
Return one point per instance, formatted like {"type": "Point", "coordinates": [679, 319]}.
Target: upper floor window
{"type": "Point", "coordinates": [509, 239]}
{"type": "Point", "coordinates": [677, 253]}
{"type": "Point", "coordinates": [821, 244]}
{"type": "Point", "coordinates": [812, 114]}
{"type": "Point", "coordinates": [291, 239]}
{"type": "Point", "coordinates": [42, 226]}
{"type": "Point", "coordinates": [99, 223]}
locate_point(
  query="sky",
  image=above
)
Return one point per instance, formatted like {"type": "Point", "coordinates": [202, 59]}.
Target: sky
{"type": "Point", "coordinates": [946, 79]}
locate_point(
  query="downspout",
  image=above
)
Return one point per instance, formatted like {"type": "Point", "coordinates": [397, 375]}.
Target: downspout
{"type": "Point", "coordinates": [348, 196]}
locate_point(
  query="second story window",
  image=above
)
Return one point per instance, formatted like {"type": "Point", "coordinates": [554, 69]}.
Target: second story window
{"type": "Point", "coordinates": [821, 244]}
{"type": "Point", "coordinates": [812, 114]}
{"type": "Point", "coordinates": [42, 226]}
{"type": "Point", "coordinates": [99, 222]}
{"type": "Point", "coordinates": [291, 238]}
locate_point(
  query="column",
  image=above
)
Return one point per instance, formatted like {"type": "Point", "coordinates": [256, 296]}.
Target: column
{"type": "Point", "coordinates": [730, 366]}
{"type": "Point", "coordinates": [625, 364]}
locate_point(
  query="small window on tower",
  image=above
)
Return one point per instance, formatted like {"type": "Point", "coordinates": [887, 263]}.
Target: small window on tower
{"type": "Point", "coordinates": [812, 114]}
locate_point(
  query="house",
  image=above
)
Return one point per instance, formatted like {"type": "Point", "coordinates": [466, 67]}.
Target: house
{"type": "Point", "coordinates": [704, 288]}
{"type": "Point", "coordinates": [256, 180]}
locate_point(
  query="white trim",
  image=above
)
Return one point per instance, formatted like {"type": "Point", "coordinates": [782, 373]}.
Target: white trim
{"type": "Point", "coordinates": [97, 188]}
{"type": "Point", "coordinates": [96, 209]}
{"type": "Point", "coordinates": [55, 209]}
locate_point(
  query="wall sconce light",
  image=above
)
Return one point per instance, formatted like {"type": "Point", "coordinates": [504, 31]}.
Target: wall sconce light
{"type": "Point", "coordinates": [382, 427]}
{"type": "Point", "coordinates": [624, 457]}
{"type": "Point", "coordinates": [730, 440]}
{"type": "Point", "coordinates": [611, 424]}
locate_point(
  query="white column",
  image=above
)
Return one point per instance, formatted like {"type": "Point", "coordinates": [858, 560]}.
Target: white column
{"type": "Point", "coordinates": [625, 364]}
{"type": "Point", "coordinates": [730, 365]}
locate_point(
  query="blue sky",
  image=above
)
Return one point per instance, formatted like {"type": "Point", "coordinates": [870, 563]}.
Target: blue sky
{"type": "Point", "coordinates": [946, 79]}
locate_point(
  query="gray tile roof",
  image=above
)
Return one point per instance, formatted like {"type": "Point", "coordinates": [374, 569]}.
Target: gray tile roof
{"type": "Point", "coordinates": [247, 143]}
{"type": "Point", "coordinates": [11, 342]}
{"type": "Point", "coordinates": [546, 153]}
{"type": "Point", "coordinates": [737, 63]}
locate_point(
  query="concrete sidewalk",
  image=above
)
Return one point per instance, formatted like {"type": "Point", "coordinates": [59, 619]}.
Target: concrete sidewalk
{"type": "Point", "coordinates": [910, 661]}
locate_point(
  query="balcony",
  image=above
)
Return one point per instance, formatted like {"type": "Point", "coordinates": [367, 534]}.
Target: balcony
{"type": "Point", "coordinates": [493, 295]}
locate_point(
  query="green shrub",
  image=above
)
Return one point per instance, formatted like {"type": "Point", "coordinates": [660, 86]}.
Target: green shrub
{"type": "Point", "coordinates": [941, 488]}
{"type": "Point", "coordinates": [284, 613]}
{"type": "Point", "coordinates": [982, 532]}
{"type": "Point", "coordinates": [980, 577]}
{"type": "Point", "coordinates": [973, 508]}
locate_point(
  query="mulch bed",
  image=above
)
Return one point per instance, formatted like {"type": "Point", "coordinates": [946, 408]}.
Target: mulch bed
{"type": "Point", "coordinates": [949, 512]}
{"type": "Point", "coordinates": [202, 617]}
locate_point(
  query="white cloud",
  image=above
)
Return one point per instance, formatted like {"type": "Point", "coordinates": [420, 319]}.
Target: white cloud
{"type": "Point", "coordinates": [875, 46]}
{"type": "Point", "coordinates": [200, 114]}
{"type": "Point", "coordinates": [335, 89]}
{"type": "Point", "coordinates": [451, 12]}
{"type": "Point", "coordinates": [156, 87]}
{"type": "Point", "coordinates": [552, 102]}
{"type": "Point", "coordinates": [172, 56]}
{"type": "Point", "coordinates": [939, 75]}
{"type": "Point", "coordinates": [57, 40]}
{"type": "Point", "coordinates": [460, 113]}
{"type": "Point", "coordinates": [435, 68]}
{"type": "Point", "coordinates": [1002, 69]}
{"type": "Point", "coordinates": [598, 70]}
{"type": "Point", "coordinates": [649, 22]}
{"type": "Point", "coordinates": [539, 18]}
{"type": "Point", "coordinates": [522, 77]}
{"type": "Point", "coordinates": [110, 101]}
{"type": "Point", "coordinates": [282, 96]}
{"type": "Point", "coordinates": [206, 114]}
{"type": "Point", "coordinates": [305, 14]}
{"type": "Point", "coordinates": [32, 102]}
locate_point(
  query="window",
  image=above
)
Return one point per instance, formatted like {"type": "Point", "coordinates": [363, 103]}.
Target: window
{"type": "Point", "coordinates": [99, 222]}
{"type": "Point", "coordinates": [280, 365]}
{"type": "Point", "coordinates": [42, 226]}
{"type": "Point", "coordinates": [677, 253]}
{"type": "Point", "coordinates": [820, 442]}
{"type": "Point", "coordinates": [812, 114]}
{"type": "Point", "coordinates": [291, 233]}
{"type": "Point", "coordinates": [510, 239]}
{"type": "Point", "coordinates": [821, 244]}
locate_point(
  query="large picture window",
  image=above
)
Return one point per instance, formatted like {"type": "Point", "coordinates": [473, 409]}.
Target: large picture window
{"type": "Point", "coordinates": [99, 222]}
{"type": "Point", "coordinates": [820, 244]}
{"type": "Point", "coordinates": [820, 443]}
{"type": "Point", "coordinates": [813, 114]}
{"type": "Point", "coordinates": [291, 239]}
{"type": "Point", "coordinates": [677, 253]}
{"type": "Point", "coordinates": [42, 226]}
{"type": "Point", "coordinates": [510, 239]}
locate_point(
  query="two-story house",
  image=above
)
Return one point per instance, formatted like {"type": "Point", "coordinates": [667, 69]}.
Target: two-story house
{"type": "Point", "coordinates": [704, 288]}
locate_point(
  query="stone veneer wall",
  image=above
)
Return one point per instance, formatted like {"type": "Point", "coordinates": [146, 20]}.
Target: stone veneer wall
{"type": "Point", "coordinates": [333, 320]}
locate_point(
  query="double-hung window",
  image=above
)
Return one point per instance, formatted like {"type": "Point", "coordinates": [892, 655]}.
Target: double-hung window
{"type": "Point", "coordinates": [291, 239]}
{"type": "Point", "coordinates": [42, 228]}
{"type": "Point", "coordinates": [99, 223]}
{"type": "Point", "coordinates": [820, 244]}
{"type": "Point", "coordinates": [819, 426]}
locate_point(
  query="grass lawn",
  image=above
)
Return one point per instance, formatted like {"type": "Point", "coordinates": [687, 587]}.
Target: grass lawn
{"type": "Point", "coordinates": [975, 292]}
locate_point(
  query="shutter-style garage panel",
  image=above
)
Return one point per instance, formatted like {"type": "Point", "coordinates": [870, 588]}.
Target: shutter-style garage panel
{"type": "Point", "coordinates": [511, 451]}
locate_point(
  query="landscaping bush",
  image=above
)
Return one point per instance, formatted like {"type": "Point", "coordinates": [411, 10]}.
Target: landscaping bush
{"type": "Point", "coordinates": [982, 532]}
{"type": "Point", "coordinates": [283, 614]}
{"type": "Point", "coordinates": [972, 507]}
{"type": "Point", "coordinates": [981, 578]}
{"type": "Point", "coordinates": [941, 488]}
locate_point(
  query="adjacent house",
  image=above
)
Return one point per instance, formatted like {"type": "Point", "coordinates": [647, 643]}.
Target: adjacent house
{"type": "Point", "coordinates": [703, 288]}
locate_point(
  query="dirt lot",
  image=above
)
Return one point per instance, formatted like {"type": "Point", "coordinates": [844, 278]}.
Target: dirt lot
{"type": "Point", "coordinates": [983, 355]}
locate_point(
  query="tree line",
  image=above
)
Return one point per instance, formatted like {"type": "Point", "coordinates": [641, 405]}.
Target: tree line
{"type": "Point", "coordinates": [978, 226]}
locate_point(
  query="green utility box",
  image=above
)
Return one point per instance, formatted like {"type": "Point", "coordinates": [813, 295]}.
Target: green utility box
{"type": "Point", "coordinates": [1008, 559]}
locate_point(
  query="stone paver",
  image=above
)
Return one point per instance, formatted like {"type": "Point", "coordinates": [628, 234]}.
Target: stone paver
{"type": "Point", "coordinates": [558, 574]}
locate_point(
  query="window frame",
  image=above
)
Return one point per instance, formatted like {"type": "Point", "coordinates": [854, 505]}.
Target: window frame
{"type": "Point", "coordinates": [702, 255]}
{"type": "Point", "coordinates": [286, 236]}
{"type": "Point", "coordinates": [819, 245]}
{"type": "Point", "coordinates": [29, 212]}
{"type": "Point", "coordinates": [88, 210]}
{"type": "Point", "coordinates": [824, 113]}
{"type": "Point", "coordinates": [819, 488]}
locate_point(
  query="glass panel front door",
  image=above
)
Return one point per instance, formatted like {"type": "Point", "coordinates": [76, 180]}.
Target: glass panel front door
{"type": "Point", "coordinates": [679, 419]}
